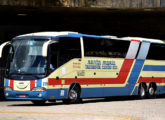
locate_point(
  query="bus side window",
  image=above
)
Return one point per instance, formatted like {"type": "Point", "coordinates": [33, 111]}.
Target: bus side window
{"type": "Point", "coordinates": [53, 55]}
{"type": "Point", "coordinates": [69, 48]}
{"type": "Point", "coordinates": [98, 47]}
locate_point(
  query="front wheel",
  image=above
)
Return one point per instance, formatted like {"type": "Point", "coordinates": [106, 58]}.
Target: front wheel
{"type": "Point", "coordinates": [73, 95]}
{"type": "Point", "coordinates": [38, 102]}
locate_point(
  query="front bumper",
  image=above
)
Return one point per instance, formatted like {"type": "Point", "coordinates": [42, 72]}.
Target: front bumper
{"type": "Point", "coordinates": [25, 95]}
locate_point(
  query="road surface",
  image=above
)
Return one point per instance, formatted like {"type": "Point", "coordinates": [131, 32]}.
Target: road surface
{"type": "Point", "coordinates": [128, 108]}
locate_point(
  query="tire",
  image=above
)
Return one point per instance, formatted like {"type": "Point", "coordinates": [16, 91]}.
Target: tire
{"type": "Point", "coordinates": [142, 91]}
{"type": "Point", "coordinates": [52, 101]}
{"type": "Point", "coordinates": [151, 92]}
{"type": "Point", "coordinates": [73, 96]}
{"type": "Point", "coordinates": [38, 102]}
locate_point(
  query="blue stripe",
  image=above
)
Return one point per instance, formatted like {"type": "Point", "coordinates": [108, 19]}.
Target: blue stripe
{"type": "Point", "coordinates": [160, 90]}
{"type": "Point", "coordinates": [135, 74]}
{"type": "Point", "coordinates": [146, 41]}
{"type": "Point", "coordinates": [138, 65]}
{"type": "Point", "coordinates": [85, 35]}
{"type": "Point", "coordinates": [74, 35]}
{"type": "Point", "coordinates": [93, 92]}
{"type": "Point", "coordinates": [154, 68]}
{"type": "Point", "coordinates": [39, 83]}
{"type": "Point", "coordinates": [95, 36]}
{"type": "Point", "coordinates": [127, 90]}
{"type": "Point", "coordinates": [6, 82]}
{"type": "Point", "coordinates": [135, 92]}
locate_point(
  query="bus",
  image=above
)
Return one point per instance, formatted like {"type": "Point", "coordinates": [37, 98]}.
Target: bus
{"type": "Point", "coordinates": [70, 66]}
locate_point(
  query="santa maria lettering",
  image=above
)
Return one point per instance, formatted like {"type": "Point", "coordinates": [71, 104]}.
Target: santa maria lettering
{"type": "Point", "coordinates": [93, 64]}
{"type": "Point", "coordinates": [97, 64]}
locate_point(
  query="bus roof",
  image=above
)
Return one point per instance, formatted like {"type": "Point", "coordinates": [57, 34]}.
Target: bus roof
{"type": "Point", "coordinates": [61, 34]}
{"type": "Point", "coordinates": [78, 35]}
{"type": "Point", "coordinates": [142, 39]}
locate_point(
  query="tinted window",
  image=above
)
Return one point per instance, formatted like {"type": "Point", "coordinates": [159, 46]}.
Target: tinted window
{"type": "Point", "coordinates": [66, 49]}
{"type": "Point", "coordinates": [105, 48]}
{"type": "Point", "coordinates": [156, 52]}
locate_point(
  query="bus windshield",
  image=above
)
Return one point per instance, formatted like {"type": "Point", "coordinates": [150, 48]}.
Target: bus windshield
{"type": "Point", "coordinates": [27, 58]}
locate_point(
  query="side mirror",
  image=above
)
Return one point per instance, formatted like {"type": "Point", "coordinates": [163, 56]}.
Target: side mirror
{"type": "Point", "coordinates": [2, 46]}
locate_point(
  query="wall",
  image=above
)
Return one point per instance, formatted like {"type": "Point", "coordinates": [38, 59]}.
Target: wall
{"type": "Point", "coordinates": [87, 3]}
{"type": "Point", "coordinates": [125, 3]}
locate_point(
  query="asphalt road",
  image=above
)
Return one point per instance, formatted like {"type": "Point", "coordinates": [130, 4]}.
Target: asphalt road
{"type": "Point", "coordinates": [129, 108]}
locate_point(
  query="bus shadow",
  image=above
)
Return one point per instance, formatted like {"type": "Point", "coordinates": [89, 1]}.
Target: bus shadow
{"type": "Point", "coordinates": [92, 100]}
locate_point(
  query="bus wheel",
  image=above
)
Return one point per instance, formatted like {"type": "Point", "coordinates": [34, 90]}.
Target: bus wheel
{"type": "Point", "coordinates": [152, 91]}
{"type": "Point", "coordinates": [38, 102]}
{"type": "Point", "coordinates": [52, 101]}
{"type": "Point", "coordinates": [142, 91]}
{"type": "Point", "coordinates": [73, 95]}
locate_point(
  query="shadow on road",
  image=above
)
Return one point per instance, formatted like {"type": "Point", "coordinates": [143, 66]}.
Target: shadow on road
{"type": "Point", "coordinates": [93, 100]}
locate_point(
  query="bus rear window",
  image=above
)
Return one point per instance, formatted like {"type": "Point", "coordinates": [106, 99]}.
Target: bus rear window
{"type": "Point", "coordinates": [156, 52]}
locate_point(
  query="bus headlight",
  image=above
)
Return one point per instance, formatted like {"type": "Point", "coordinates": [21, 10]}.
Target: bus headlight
{"type": "Point", "coordinates": [8, 89]}
{"type": "Point", "coordinates": [38, 89]}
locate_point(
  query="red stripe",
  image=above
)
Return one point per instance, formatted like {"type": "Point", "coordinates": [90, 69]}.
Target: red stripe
{"type": "Point", "coordinates": [12, 84]}
{"type": "Point", "coordinates": [135, 40]}
{"type": "Point", "coordinates": [32, 84]}
{"type": "Point", "coordinates": [126, 67]}
{"type": "Point", "coordinates": [150, 79]}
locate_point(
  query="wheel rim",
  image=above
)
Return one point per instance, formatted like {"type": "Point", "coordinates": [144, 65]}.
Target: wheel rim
{"type": "Point", "coordinates": [73, 95]}
{"type": "Point", "coordinates": [142, 92]}
{"type": "Point", "coordinates": [151, 91]}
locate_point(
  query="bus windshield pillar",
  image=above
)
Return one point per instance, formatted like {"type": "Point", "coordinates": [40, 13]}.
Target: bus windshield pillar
{"type": "Point", "coordinates": [82, 47]}
{"type": "Point", "coordinates": [45, 47]}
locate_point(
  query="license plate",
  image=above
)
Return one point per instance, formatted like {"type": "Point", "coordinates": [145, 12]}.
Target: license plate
{"type": "Point", "coordinates": [22, 96]}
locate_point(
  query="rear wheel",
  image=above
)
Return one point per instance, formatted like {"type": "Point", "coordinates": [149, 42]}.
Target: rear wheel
{"type": "Point", "coordinates": [38, 102]}
{"type": "Point", "coordinates": [152, 91]}
{"type": "Point", "coordinates": [142, 91]}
